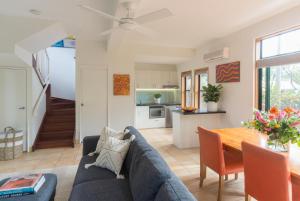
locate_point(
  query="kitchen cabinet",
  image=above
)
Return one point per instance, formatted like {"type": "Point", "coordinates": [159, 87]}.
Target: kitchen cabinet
{"type": "Point", "coordinates": [157, 123]}
{"type": "Point", "coordinates": [141, 116]}
{"type": "Point", "coordinates": [155, 79]}
{"type": "Point", "coordinates": [142, 119]}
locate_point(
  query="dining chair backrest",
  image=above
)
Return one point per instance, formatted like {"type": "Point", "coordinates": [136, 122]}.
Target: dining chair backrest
{"type": "Point", "coordinates": [267, 175]}
{"type": "Point", "coordinates": [211, 150]}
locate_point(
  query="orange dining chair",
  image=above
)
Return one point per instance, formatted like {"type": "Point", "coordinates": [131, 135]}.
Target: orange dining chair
{"type": "Point", "coordinates": [267, 175]}
{"type": "Point", "coordinates": [296, 189]}
{"type": "Point", "coordinates": [212, 155]}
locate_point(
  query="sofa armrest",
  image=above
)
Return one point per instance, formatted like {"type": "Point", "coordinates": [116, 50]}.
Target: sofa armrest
{"type": "Point", "coordinates": [89, 144]}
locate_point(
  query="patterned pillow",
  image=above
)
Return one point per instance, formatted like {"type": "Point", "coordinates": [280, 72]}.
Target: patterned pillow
{"type": "Point", "coordinates": [105, 133]}
{"type": "Point", "coordinates": [113, 154]}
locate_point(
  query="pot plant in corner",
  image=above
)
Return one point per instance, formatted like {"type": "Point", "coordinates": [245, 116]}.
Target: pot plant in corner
{"type": "Point", "coordinates": [281, 126]}
{"type": "Point", "coordinates": [157, 98]}
{"type": "Point", "coordinates": [211, 94]}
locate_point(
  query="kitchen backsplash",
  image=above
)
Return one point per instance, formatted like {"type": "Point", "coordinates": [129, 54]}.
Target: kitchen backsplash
{"type": "Point", "coordinates": [167, 96]}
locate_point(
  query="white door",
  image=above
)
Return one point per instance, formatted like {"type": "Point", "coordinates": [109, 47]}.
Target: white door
{"type": "Point", "coordinates": [13, 100]}
{"type": "Point", "coordinates": [93, 113]}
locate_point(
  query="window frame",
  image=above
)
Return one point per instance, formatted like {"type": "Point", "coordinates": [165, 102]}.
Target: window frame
{"type": "Point", "coordinates": [259, 68]}
{"type": "Point", "coordinates": [184, 75]}
{"type": "Point", "coordinates": [197, 83]}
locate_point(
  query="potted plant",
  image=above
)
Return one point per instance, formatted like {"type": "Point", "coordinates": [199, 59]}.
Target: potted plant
{"type": "Point", "coordinates": [281, 126]}
{"type": "Point", "coordinates": [211, 96]}
{"type": "Point", "coordinates": [157, 98]}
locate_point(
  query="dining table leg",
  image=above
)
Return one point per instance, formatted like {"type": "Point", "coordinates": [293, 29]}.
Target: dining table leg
{"type": "Point", "coordinates": [221, 186]}
{"type": "Point", "coordinates": [236, 176]}
{"type": "Point", "coordinates": [247, 197]}
{"type": "Point", "coordinates": [202, 174]}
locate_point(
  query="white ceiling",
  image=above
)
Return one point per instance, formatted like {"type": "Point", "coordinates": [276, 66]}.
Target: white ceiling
{"type": "Point", "coordinates": [194, 21]}
{"type": "Point", "coordinates": [198, 21]}
{"type": "Point", "coordinates": [77, 21]}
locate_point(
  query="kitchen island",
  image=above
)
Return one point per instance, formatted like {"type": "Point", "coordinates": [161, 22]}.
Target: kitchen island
{"type": "Point", "coordinates": [185, 126]}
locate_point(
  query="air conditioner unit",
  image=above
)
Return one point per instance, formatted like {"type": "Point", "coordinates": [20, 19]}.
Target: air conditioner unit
{"type": "Point", "coordinates": [216, 55]}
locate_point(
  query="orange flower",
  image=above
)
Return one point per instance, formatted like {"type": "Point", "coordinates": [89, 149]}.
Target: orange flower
{"type": "Point", "coordinates": [272, 117]}
{"type": "Point", "coordinates": [277, 126]}
{"type": "Point", "coordinates": [289, 110]}
{"type": "Point", "coordinates": [274, 110]}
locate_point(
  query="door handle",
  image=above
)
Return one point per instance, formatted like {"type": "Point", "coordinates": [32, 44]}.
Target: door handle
{"type": "Point", "coordinates": [21, 108]}
{"type": "Point", "coordinates": [82, 104]}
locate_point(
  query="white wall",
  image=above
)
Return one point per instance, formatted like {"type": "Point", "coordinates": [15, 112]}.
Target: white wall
{"type": "Point", "coordinates": [121, 109]}
{"type": "Point", "coordinates": [36, 120]}
{"type": "Point", "coordinates": [238, 98]}
{"type": "Point", "coordinates": [35, 117]}
{"type": "Point", "coordinates": [88, 53]}
{"type": "Point", "coordinates": [161, 67]}
{"type": "Point", "coordinates": [36, 87]}
{"type": "Point", "coordinates": [62, 72]}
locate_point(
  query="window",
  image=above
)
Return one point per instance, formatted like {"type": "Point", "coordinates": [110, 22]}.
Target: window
{"type": "Point", "coordinates": [186, 89]}
{"type": "Point", "coordinates": [278, 70]}
{"type": "Point", "coordinates": [201, 79]}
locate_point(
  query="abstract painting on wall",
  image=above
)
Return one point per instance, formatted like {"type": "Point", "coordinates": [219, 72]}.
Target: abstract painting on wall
{"type": "Point", "coordinates": [229, 72]}
{"type": "Point", "coordinates": [121, 85]}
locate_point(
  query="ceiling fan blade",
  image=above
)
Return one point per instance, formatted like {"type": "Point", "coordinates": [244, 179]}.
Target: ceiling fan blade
{"type": "Point", "coordinates": [103, 14]}
{"type": "Point", "coordinates": [145, 31]}
{"type": "Point", "coordinates": [156, 15]}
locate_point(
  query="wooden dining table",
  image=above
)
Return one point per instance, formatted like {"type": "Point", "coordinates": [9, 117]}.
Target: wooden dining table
{"type": "Point", "coordinates": [233, 137]}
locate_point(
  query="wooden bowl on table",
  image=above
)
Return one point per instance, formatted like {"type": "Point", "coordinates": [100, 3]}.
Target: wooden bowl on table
{"type": "Point", "coordinates": [189, 109]}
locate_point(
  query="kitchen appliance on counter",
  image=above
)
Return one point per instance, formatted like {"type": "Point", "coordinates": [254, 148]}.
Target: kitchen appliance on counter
{"type": "Point", "coordinates": [169, 114]}
{"type": "Point", "coordinates": [157, 111]}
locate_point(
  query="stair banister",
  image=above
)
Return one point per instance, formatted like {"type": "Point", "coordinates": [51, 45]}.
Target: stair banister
{"type": "Point", "coordinates": [40, 98]}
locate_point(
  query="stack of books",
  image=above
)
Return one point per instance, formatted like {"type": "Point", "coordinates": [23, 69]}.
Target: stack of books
{"type": "Point", "coordinates": [23, 185]}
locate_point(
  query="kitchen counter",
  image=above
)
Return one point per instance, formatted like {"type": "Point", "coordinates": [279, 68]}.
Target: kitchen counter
{"type": "Point", "coordinates": [163, 104]}
{"type": "Point", "coordinates": [185, 126]}
{"type": "Point", "coordinates": [199, 112]}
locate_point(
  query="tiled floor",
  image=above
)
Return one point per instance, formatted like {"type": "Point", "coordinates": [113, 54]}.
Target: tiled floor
{"type": "Point", "coordinates": [43, 159]}
{"type": "Point", "coordinates": [185, 164]}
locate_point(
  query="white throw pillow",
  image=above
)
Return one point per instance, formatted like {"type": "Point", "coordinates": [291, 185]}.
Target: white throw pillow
{"type": "Point", "coordinates": [105, 133]}
{"type": "Point", "coordinates": [113, 155]}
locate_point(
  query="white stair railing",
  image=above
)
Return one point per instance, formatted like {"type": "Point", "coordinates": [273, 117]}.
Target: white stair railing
{"type": "Point", "coordinates": [42, 69]}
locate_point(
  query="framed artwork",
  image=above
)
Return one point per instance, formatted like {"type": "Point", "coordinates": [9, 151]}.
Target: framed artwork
{"type": "Point", "coordinates": [121, 85]}
{"type": "Point", "coordinates": [229, 72]}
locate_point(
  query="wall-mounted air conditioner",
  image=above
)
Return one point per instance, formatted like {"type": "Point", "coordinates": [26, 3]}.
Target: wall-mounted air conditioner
{"type": "Point", "coordinates": [216, 55]}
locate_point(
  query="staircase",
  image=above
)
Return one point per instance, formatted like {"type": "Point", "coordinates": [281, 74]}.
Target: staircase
{"type": "Point", "coordinates": [58, 127]}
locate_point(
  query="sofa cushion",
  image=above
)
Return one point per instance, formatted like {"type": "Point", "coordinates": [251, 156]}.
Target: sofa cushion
{"type": "Point", "coordinates": [106, 133]}
{"type": "Point", "coordinates": [174, 190]}
{"type": "Point", "coordinates": [137, 148]}
{"type": "Point", "coordinates": [102, 190]}
{"type": "Point", "coordinates": [112, 155]}
{"type": "Point", "coordinates": [93, 173]}
{"type": "Point", "coordinates": [147, 174]}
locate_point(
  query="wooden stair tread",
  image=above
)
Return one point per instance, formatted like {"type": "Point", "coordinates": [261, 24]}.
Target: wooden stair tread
{"type": "Point", "coordinates": [57, 132]}
{"type": "Point", "coordinates": [49, 137]}
{"type": "Point", "coordinates": [58, 128]}
{"type": "Point", "coordinates": [53, 143]}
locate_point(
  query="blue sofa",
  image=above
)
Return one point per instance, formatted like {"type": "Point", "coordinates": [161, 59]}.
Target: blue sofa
{"type": "Point", "coordinates": [147, 176]}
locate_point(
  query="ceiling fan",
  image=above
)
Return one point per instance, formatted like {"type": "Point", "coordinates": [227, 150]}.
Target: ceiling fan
{"type": "Point", "coordinates": [130, 22]}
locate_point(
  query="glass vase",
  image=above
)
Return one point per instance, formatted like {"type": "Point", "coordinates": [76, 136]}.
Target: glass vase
{"type": "Point", "coordinates": [277, 145]}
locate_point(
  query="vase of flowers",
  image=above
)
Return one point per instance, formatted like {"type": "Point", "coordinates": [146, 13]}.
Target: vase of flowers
{"type": "Point", "coordinates": [281, 126]}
